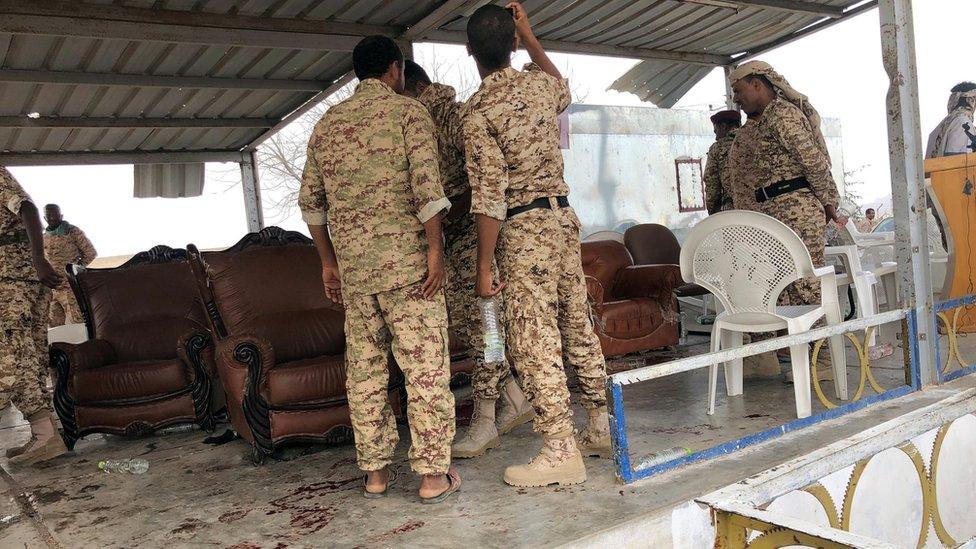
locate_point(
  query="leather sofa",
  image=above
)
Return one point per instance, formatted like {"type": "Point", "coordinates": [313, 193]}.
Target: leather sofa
{"type": "Point", "coordinates": [280, 343]}
{"type": "Point", "coordinates": [653, 244]}
{"type": "Point", "coordinates": [634, 305]}
{"type": "Point", "coordinates": [144, 365]}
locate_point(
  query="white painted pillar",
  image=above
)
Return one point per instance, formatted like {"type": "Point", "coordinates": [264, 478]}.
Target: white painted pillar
{"type": "Point", "coordinates": [905, 151]}
{"type": "Point", "coordinates": [729, 104]}
{"type": "Point", "coordinates": [252, 191]}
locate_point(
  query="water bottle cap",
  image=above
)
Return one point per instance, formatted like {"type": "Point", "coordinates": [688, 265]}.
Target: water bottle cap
{"type": "Point", "coordinates": [101, 465]}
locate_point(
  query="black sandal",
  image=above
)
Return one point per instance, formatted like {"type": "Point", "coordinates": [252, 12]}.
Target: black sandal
{"type": "Point", "coordinates": [454, 484]}
{"type": "Point", "coordinates": [390, 482]}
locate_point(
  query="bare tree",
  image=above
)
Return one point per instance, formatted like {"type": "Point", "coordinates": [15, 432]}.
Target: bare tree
{"type": "Point", "coordinates": [281, 158]}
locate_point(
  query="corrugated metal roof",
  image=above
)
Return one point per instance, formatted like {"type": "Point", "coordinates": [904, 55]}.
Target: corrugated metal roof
{"type": "Point", "coordinates": [739, 33]}
{"type": "Point", "coordinates": [135, 76]}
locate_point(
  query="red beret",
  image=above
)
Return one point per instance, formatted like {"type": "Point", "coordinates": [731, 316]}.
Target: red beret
{"type": "Point", "coordinates": [732, 117]}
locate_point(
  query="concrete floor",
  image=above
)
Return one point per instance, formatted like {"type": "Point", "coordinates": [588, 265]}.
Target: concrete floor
{"type": "Point", "coordinates": [201, 495]}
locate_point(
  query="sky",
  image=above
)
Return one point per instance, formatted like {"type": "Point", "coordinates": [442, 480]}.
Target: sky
{"type": "Point", "coordinates": [839, 69]}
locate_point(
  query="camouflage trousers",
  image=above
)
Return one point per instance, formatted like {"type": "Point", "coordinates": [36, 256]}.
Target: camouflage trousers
{"type": "Point", "coordinates": [23, 344]}
{"type": "Point", "coordinates": [802, 212]}
{"type": "Point", "coordinates": [462, 307]}
{"type": "Point", "coordinates": [415, 330]}
{"type": "Point", "coordinates": [64, 308]}
{"type": "Point", "coordinates": [548, 317]}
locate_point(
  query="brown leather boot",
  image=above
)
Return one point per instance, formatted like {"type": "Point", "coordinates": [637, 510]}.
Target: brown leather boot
{"type": "Point", "coordinates": [481, 435]}
{"type": "Point", "coordinates": [559, 462]}
{"type": "Point", "coordinates": [513, 409]}
{"type": "Point", "coordinates": [45, 443]}
{"type": "Point", "coordinates": [594, 440]}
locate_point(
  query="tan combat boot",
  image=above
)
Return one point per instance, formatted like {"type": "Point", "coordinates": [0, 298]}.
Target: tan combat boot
{"type": "Point", "coordinates": [514, 409]}
{"type": "Point", "coordinates": [481, 435]}
{"type": "Point", "coordinates": [559, 462]}
{"type": "Point", "coordinates": [594, 440]}
{"type": "Point", "coordinates": [45, 443]}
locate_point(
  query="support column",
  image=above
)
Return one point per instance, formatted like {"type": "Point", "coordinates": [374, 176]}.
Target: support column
{"type": "Point", "coordinates": [406, 46]}
{"type": "Point", "coordinates": [905, 153]}
{"type": "Point", "coordinates": [729, 104]}
{"type": "Point", "coordinates": [252, 191]}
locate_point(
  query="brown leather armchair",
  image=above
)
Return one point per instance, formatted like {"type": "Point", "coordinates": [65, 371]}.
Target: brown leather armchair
{"type": "Point", "coordinates": [280, 342]}
{"type": "Point", "coordinates": [634, 305]}
{"type": "Point", "coordinates": [145, 364]}
{"type": "Point", "coordinates": [653, 244]}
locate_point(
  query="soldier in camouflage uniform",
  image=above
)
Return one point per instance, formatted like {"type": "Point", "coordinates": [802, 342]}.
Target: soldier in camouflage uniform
{"type": "Point", "coordinates": [63, 244]}
{"type": "Point", "coordinates": [515, 170]}
{"type": "Point", "coordinates": [25, 282]}
{"type": "Point", "coordinates": [718, 195]}
{"type": "Point", "coordinates": [372, 198]}
{"type": "Point", "coordinates": [489, 381]}
{"type": "Point", "coordinates": [782, 165]}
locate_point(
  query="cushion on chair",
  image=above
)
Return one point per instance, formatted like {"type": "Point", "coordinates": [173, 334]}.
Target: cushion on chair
{"type": "Point", "coordinates": [602, 259]}
{"type": "Point", "coordinates": [129, 380]}
{"type": "Point", "coordinates": [308, 380]}
{"type": "Point", "coordinates": [632, 318]}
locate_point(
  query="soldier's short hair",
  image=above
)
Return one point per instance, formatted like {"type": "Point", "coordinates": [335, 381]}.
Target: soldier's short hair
{"type": "Point", "coordinates": [963, 87]}
{"type": "Point", "coordinates": [414, 74]}
{"type": "Point", "coordinates": [372, 56]}
{"type": "Point", "coordinates": [52, 207]}
{"type": "Point", "coordinates": [491, 31]}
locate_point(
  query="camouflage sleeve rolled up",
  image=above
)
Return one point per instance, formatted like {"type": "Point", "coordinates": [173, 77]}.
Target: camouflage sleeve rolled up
{"type": "Point", "coordinates": [86, 251]}
{"type": "Point", "coordinates": [12, 195]}
{"type": "Point", "coordinates": [793, 131]}
{"type": "Point", "coordinates": [487, 169]}
{"type": "Point", "coordinates": [713, 181]}
{"type": "Point", "coordinates": [311, 196]}
{"type": "Point", "coordinates": [555, 88]}
{"type": "Point", "coordinates": [425, 176]}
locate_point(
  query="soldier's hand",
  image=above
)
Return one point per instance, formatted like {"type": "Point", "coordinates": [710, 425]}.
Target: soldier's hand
{"type": "Point", "coordinates": [486, 286]}
{"type": "Point", "coordinates": [332, 284]}
{"type": "Point", "coordinates": [522, 26]}
{"type": "Point", "coordinates": [435, 275]}
{"type": "Point", "coordinates": [46, 273]}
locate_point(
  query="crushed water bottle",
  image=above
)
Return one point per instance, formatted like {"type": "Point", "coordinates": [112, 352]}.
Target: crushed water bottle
{"type": "Point", "coordinates": [663, 456]}
{"type": "Point", "coordinates": [136, 466]}
{"type": "Point", "coordinates": [494, 345]}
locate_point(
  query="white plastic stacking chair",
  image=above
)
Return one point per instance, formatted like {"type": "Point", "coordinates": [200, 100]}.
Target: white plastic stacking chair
{"type": "Point", "coordinates": [746, 259]}
{"type": "Point", "coordinates": [605, 235]}
{"type": "Point", "coordinates": [864, 282]}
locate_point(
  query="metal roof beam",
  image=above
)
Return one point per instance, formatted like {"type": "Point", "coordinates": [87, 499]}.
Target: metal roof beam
{"type": "Point", "coordinates": [110, 122]}
{"type": "Point", "coordinates": [158, 81]}
{"type": "Point", "coordinates": [791, 6]}
{"type": "Point", "coordinates": [185, 18]}
{"type": "Point", "coordinates": [816, 27]}
{"type": "Point", "coordinates": [304, 108]}
{"type": "Point", "coordinates": [112, 157]}
{"type": "Point", "coordinates": [59, 18]}
{"type": "Point", "coordinates": [445, 13]}
{"type": "Point", "coordinates": [607, 50]}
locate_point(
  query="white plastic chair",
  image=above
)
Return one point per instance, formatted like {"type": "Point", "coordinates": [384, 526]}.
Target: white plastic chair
{"type": "Point", "coordinates": [605, 235]}
{"type": "Point", "coordinates": [864, 282]}
{"type": "Point", "coordinates": [69, 333]}
{"type": "Point", "coordinates": [746, 259]}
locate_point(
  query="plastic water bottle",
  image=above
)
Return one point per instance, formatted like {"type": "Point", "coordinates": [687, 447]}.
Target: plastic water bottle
{"type": "Point", "coordinates": [136, 466]}
{"type": "Point", "coordinates": [494, 345]}
{"type": "Point", "coordinates": [663, 456]}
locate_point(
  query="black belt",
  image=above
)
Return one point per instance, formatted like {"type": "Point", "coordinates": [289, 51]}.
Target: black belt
{"type": "Point", "coordinates": [770, 192]}
{"type": "Point", "coordinates": [543, 202]}
{"type": "Point", "coordinates": [12, 238]}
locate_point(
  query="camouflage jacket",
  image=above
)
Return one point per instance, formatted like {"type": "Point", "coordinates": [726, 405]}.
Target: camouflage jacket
{"type": "Point", "coordinates": [779, 147]}
{"type": "Point", "coordinates": [372, 176]}
{"type": "Point", "coordinates": [15, 255]}
{"type": "Point", "coordinates": [718, 194]}
{"type": "Point", "coordinates": [511, 139]}
{"type": "Point", "coordinates": [67, 244]}
{"type": "Point", "coordinates": [445, 110]}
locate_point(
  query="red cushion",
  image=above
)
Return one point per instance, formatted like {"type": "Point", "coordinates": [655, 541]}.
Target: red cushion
{"type": "Point", "coordinates": [304, 381]}
{"type": "Point", "coordinates": [128, 380]}
{"type": "Point", "coordinates": [632, 318]}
